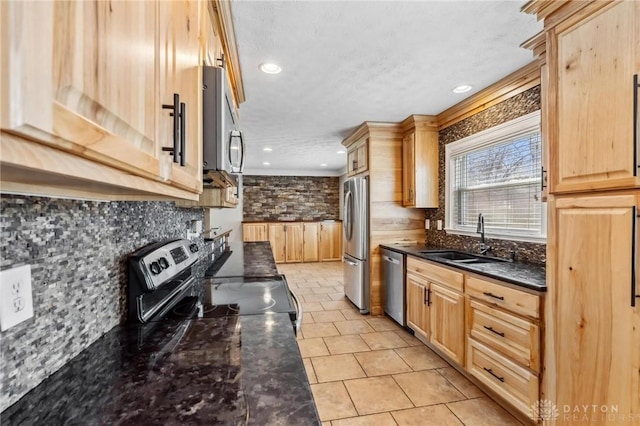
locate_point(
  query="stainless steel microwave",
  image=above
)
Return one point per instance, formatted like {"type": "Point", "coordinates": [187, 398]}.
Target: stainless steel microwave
{"type": "Point", "coordinates": [223, 146]}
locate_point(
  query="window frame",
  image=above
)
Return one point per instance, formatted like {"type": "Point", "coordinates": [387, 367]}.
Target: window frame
{"type": "Point", "coordinates": [507, 131]}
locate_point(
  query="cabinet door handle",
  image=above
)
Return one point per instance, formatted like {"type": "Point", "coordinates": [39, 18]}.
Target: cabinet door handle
{"type": "Point", "coordinates": [543, 178]}
{"type": "Point", "coordinates": [636, 120]}
{"type": "Point", "coordinates": [410, 194]}
{"type": "Point", "coordinates": [488, 370]}
{"type": "Point", "coordinates": [486, 293]}
{"type": "Point", "coordinates": [494, 331]}
{"type": "Point", "coordinates": [355, 165]}
{"type": "Point", "coordinates": [176, 126]}
{"type": "Point", "coordinates": [428, 297]}
{"type": "Point", "coordinates": [183, 118]}
{"type": "Point", "coordinates": [634, 248]}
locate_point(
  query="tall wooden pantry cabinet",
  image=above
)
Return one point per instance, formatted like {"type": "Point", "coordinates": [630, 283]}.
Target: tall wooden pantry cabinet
{"type": "Point", "coordinates": [592, 317]}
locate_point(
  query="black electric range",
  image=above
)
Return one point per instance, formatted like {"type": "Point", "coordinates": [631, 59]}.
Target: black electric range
{"type": "Point", "coordinates": [162, 287]}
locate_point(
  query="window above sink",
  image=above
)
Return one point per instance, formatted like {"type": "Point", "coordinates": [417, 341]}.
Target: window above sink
{"type": "Point", "coordinates": [497, 172]}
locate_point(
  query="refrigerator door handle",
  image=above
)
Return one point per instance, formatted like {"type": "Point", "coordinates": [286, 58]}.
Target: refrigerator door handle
{"type": "Point", "coordinates": [348, 219]}
{"type": "Point", "coordinates": [348, 262]}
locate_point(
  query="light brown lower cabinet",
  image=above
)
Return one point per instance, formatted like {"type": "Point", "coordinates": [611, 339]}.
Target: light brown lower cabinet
{"type": "Point", "coordinates": [435, 310]}
{"type": "Point", "coordinates": [417, 306]}
{"type": "Point", "coordinates": [447, 321]}
{"type": "Point", "coordinates": [595, 303]}
{"type": "Point", "coordinates": [298, 241]}
{"type": "Point", "coordinates": [293, 251]}
{"type": "Point", "coordinates": [254, 232]}
{"type": "Point", "coordinates": [330, 244]}
{"type": "Point", "coordinates": [515, 384]}
{"type": "Point", "coordinates": [487, 328]}
{"type": "Point", "coordinates": [278, 240]}
{"type": "Point", "coordinates": [310, 249]}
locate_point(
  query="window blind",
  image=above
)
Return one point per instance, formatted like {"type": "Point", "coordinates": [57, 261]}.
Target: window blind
{"type": "Point", "coordinates": [501, 181]}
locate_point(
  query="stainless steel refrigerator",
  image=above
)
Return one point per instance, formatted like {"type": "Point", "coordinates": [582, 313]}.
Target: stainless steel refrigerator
{"type": "Point", "coordinates": [355, 224]}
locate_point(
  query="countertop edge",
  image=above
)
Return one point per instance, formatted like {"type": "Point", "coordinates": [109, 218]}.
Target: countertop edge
{"type": "Point", "coordinates": [465, 268]}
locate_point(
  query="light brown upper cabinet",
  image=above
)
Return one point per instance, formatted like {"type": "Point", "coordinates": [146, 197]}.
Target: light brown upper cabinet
{"type": "Point", "coordinates": [420, 162]}
{"type": "Point", "coordinates": [330, 241]}
{"type": "Point", "coordinates": [594, 62]}
{"type": "Point", "coordinates": [179, 57]}
{"type": "Point", "coordinates": [88, 90]}
{"type": "Point", "coordinates": [358, 157]}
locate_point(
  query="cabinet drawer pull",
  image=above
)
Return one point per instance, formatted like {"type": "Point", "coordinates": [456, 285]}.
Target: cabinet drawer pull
{"type": "Point", "coordinates": [176, 126]}
{"type": "Point", "coordinates": [183, 118]}
{"type": "Point", "coordinates": [636, 131]}
{"type": "Point", "coordinates": [634, 239]}
{"type": "Point", "coordinates": [488, 293]}
{"type": "Point", "coordinates": [494, 331]}
{"type": "Point", "coordinates": [488, 370]}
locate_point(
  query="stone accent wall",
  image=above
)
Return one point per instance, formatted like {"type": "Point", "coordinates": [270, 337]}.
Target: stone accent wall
{"type": "Point", "coordinates": [78, 252]}
{"type": "Point", "coordinates": [275, 198]}
{"type": "Point", "coordinates": [507, 110]}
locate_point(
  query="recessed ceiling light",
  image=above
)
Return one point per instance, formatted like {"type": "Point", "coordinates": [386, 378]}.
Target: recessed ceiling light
{"type": "Point", "coordinates": [266, 163]}
{"type": "Point", "coordinates": [462, 88]}
{"type": "Point", "coordinates": [323, 165]}
{"type": "Point", "coordinates": [270, 68]}
{"type": "Point", "coordinates": [267, 149]}
{"type": "Point", "coordinates": [341, 152]}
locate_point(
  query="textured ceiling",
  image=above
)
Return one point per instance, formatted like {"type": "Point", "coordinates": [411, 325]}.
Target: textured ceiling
{"type": "Point", "coordinates": [345, 62]}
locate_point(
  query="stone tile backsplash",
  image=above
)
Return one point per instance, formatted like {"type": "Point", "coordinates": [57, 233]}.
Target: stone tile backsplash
{"type": "Point", "coordinates": [78, 252]}
{"type": "Point", "coordinates": [275, 198]}
{"type": "Point", "coordinates": [507, 110]}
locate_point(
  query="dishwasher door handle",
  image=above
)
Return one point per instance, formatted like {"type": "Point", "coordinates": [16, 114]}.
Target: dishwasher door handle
{"type": "Point", "coordinates": [390, 260]}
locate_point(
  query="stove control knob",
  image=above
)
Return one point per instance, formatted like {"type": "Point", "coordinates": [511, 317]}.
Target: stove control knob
{"type": "Point", "coordinates": [155, 268]}
{"type": "Point", "coordinates": [193, 248]}
{"type": "Point", "coordinates": [164, 263]}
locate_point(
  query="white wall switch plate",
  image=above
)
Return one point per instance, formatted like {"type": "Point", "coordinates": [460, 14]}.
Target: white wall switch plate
{"type": "Point", "coordinates": [427, 224]}
{"type": "Point", "coordinates": [439, 225]}
{"type": "Point", "coordinates": [16, 303]}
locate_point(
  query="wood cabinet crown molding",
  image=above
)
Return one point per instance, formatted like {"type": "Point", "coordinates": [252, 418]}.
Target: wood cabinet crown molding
{"type": "Point", "coordinates": [222, 16]}
{"type": "Point", "coordinates": [419, 122]}
{"type": "Point", "coordinates": [515, 83]}
{"type": "Point", "coordinates": [370, 128]}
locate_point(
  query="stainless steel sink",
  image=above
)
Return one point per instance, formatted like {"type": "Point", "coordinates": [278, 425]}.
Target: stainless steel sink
{"type": "Point", "coordinates": [461, 257]}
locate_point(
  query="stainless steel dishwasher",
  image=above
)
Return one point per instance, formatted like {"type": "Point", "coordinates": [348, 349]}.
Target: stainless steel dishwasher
{"type": "Point", "coordinates": [393, 285]}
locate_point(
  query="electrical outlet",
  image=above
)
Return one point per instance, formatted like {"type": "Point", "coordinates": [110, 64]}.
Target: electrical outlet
{"type": "Point", "coordinates": [427, 224]}
{"type": "Point", "coordinates": [439, 225]}
{"type": "Point", "coordinates": [16, 303]}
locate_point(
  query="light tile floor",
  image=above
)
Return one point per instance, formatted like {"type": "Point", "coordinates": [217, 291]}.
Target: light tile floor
{"type": "Point", "coordinates": [367, 370]}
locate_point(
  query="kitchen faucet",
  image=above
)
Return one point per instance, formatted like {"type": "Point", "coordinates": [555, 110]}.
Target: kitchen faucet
{"type": "Point", "coordinates": [484, 248]}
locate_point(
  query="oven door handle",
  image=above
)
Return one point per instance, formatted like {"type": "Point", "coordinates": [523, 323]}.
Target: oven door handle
{"type": "Point", "coordinates": [299, 312]}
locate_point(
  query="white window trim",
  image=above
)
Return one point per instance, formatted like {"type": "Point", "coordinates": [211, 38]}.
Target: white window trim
{"type": "Point", "coordinates": [506, 131]}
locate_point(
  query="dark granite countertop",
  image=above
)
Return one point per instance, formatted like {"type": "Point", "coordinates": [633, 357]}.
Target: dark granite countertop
{"type": "Point", "coordinates": [252, 259]}
{"type": "Point", "coordinates": [231, 370]}
{"type": "Point", "coordinates": [522, 274]}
